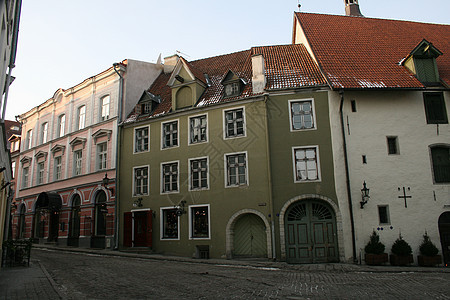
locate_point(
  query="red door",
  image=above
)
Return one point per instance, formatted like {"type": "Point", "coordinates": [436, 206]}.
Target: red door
{"type": "Point", "coordinates": [138, 229]}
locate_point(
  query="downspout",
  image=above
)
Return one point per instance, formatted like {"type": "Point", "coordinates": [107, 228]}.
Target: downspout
{"type": "Point", "coordinates": [118, 149]}
{"type": "Point", "coordinates": [347, 176]}
{"type": "Point", "coordinates": [12, 58]}
{"type": "Point", "coordinates": [269, 173]}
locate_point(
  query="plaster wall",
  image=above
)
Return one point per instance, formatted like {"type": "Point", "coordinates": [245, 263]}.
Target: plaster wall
{"type": "Point", "coordinates": [391, 113]}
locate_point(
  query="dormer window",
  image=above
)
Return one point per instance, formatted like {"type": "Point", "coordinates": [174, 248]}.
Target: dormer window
{"type": "Point", "coordinates": [146, 108]}
{"type": "Point", "coordinates": [233, 85]}
{"type": "Point", "coordinates": [148, 103]}
{"type": "Point", "coordinates": [422, 63]}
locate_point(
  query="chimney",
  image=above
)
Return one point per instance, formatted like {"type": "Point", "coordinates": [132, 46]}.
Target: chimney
{"type": "Point", "coordinates": [170, 62]}
{"type": "Point", "coordinates": [352, 8]}
{"type": "Point", "coordinates": [258, 77]}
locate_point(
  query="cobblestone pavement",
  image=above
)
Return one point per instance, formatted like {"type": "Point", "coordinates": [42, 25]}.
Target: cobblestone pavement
{"type": "Point", "coordinates": [93, 276]}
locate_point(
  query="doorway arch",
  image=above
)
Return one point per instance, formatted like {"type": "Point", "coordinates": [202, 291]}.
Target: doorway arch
{"type": "Point", "coordinates": [74, 222]}
{"type": "Point", "coordinates": [444, 232]}
{"type": "Point", "coordinates": [46, 210]}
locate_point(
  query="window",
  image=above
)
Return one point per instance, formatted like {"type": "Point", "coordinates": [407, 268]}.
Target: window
{"type": "Point", "coordinates": [199, 221]}
{"type": "Point", "coordinates": [146, 108]}
{"type": "Point", "coordinates": [353, 104]}
{"type": "Point", "coordinates": [197, 129]}
{"type": "Point", "coordinates": [105, 108]}
{"type": "Point", "coordinates": [306, 164]}
{"type": "Point", "coordinates": [25, 177]}
{"type": "Point", "coordinates": [44, 137]}
{"type": "Point", "coordinates": [392, 144]}
{"type": "Point", "coordinates": [435, 110]}
{"type": "Point", "coordinates": [141, 139]}
{"type": "Point", "coordinates": [169, 134]}
{"type": "Point", "coordinates": [101, 156]}
{"type": "Point", "coordinates": [236, 170]}
{"type": "Point", "coordinates": [57, 168]}
{"type": "Point", "coordinates": [169, 177]}
{"type": "Point", "coordinates": [234, 123]}
{"type": "Point", "coordinates": [440, 156]}
{"type": "Point", "coordinates": [169, 226]}
{"type": "Point", "coordinates": [383, 214]}
{"type": "Point", "coordinates": [62, 125]}
{"type": "Point", "coordinates": [29, 139]}
{"type": "Point", "coordinates": [81, 117]}
{"type": "Point", "coordinates": [13, 169]}
{"type": "Point", "coordinates": [78, 162]}
{"type": "Point", "coordinates": [198, 173]}
{"type": "Point", "coordinates": [232, 89]}
{"type": "Point", "coordinates": [302, 114]}
{"type": "Point", "coordinates": [40, 173]}
{"type": "Point", "coordinates": [140, 181]}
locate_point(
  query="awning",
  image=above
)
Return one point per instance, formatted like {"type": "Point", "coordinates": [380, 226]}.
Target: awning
{"type": "Point", "coordinates": [49, 200]}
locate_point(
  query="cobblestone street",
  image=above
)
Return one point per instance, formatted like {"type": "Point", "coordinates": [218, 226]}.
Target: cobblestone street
{"type": "Point", "coordinates": [92, 276]}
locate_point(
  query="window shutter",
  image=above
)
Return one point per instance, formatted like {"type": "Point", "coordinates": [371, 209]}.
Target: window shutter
{"type": "Point", "coordinates": [127, 229]}
{"type": "Point", "coordinates": [149, 228]}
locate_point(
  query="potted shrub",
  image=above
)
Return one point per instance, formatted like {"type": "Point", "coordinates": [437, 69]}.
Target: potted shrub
{"type": "Point", "coordinates": [428, 253]}
{"type": "Point", "coordinates": [401, 253]}
{"type": "Point", "coordinates": [374, 251]}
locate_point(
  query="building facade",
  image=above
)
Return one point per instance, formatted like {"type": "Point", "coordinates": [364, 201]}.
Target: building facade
{"type": "Point", "coordinates": [231, 158]}
{"type": "Point", "coordinates": [389, 116]}
{"type": "Point", "coordinates": [66, 176]}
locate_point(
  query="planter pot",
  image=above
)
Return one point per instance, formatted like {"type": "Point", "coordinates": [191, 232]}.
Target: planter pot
{"type": "Point", "coordinates": [376, 259]}
{"type": "Point", "coordinates": [401, 260]}
{"type": "Point", "coordinates": [429, 261]}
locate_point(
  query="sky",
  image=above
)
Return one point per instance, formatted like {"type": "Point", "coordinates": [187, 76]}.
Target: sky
{"type": "Point", "coordinates": [62, 42]}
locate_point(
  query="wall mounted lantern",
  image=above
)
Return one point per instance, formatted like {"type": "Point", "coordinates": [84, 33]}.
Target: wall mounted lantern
{"type": "Point", "coordinates": [364, 195]}
{"type": "Point", "coordinates": [180, 208]}
{"type": "Point", "coordinates": [105, 182]}
{"type": "Point", "coordinates": [138, 202]}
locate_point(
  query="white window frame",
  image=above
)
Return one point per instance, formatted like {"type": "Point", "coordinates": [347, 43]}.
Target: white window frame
{"type": "Point", "coordinates": [294, 164]}
{"type": "Point", "coordinates": [134, 139]}
{"type": "Point", "coordinates": [40, 173]}
{"type": "Point", "coordinates": [162, 192]}
{"type": "Point", "coordinates": [13, 169]}
{"type": "Point", "coordinates": [178, 135]}
{"type": "Point", "coordinates": [57, 168]}
{"type": "Point", "coordinates": [224, 123]}
{"type": "Point", "coordinates": [189, 129]}
{"type": "Point", "coordinates": [191, 219]}
{"type": "Point", "coordinates": [313, 108]}
{"type": "Point", "coordinates": [133, 192]}
{"type": "Point", "coordinates": [44, 133]}
{"type": "Point", "coordinates": [387, 213]}
{"type": "Point", "coordinates": [191, 188]}
{"type": "Point", "coordinates": [247, 183]}
{"type": "Point", "coordinates": [61, 125]}
{"type": "Point", "coordinates": [77, 163]}
{"type": "Point", "coordinates": [25, 177]}
{"type": "Point", "coordinates": [81, 114]}
{"type": "Point", "coordinates": [29, 139]}
{"type": "Point", "coordinates": [161, 232]}
{"type": "Point", "coordinates": [102, 156]}
{"type": "Point", "coordinates": [105, 107]}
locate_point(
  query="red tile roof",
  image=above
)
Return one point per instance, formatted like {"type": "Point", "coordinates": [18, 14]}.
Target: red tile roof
{"type": "Point", "coordinates": [357, 52]}
{"type": "Point", "coordinates": [286, 66]}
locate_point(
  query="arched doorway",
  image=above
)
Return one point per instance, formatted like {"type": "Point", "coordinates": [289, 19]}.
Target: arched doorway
{"type": "Point", "coordinates": [47, 207]}
{"type": "Point", "coordinates": [250, 236]}
{"type": "Point", "coordinates": [310, 227]}
{"type": "Point", "coordinates": [100, 212]}
{"type": "Point", "coordinates": [444, 232]}
{"type": "Point", "coordinates": [21, 222]}
{"type": "Point", "coordinates": [74, 222]}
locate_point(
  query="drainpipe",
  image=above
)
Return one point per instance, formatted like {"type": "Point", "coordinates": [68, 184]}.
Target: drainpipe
{"type": "Point", "coordinates": [118, 149]}
{"type": "Point", "coordinates": [347, 176]}
{"type": "Point", "coordinates": [269, 171]}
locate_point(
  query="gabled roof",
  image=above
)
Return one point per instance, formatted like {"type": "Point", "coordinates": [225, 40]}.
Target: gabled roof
{"type": "Point", "coordinates": [286, 66]}
{"type": "Point", "coordinates": [367, 53]}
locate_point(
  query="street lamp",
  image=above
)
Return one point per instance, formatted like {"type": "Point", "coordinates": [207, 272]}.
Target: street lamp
{"type": "Point", "coordinates": [105, 182]}
{"type": "Point", "coordinates": [364, 195]}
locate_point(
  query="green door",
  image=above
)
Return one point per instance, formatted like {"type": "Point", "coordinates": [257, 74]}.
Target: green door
{"type": "Point", "coordinates": [311, 233]}
{"type": "Point", "coordinates": [250, 237]}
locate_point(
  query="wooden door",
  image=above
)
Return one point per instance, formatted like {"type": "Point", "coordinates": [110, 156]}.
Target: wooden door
{"type": "Point", "coordinates": [137, 229]}
{"type": "Point", "coordinates": [310, 228]}
{"type": "Point", "coordinates": [250, 237]}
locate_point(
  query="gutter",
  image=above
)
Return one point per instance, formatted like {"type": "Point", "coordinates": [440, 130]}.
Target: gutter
{"type": "Point", "coordinates": [347, 177]}
{"type": "Point", "coordinates": [269, 173]}
{"type": "Point", "coordinates": [118, 149]}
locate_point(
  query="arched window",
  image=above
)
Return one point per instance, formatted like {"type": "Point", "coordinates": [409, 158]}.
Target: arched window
{"type": "Point", "coordinates": [74, 225]}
